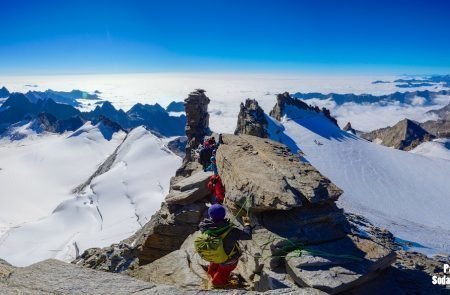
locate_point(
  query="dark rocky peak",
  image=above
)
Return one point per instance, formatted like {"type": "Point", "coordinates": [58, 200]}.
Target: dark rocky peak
{"type": "Point", "coordinates": [17, 100]}
{"type": "Point", "coordinates": [4, 92]}
{"type": "Point", "coordinates": [61, 96]}
{"type": "Point", "coordinates": [108, 127]}
{"type": "Point", "coordinates": [155, 118]}
{"type": "Point", "coordinates": [107, 107]}
{"type": "Point", "coordinates": [285, 99]}
{"type": "Point", "coordinates": [175, 106]}
{"type": "Point", "coordinates": [109, 111]}
{"type": "Point", "coordinates": [48, 122]}
{"type": "Point", "coordinates": [59, 110]}
{"type": "Point", "coordinates": [251, 120]}
{"type": "Point", "coordinates": [105, 121]}
{"type": "Point", "coordinates": [16, 108]}
{"type": "Point", "coordinates": [139, 110]}
{"type": "Point", "coordinates": [405, 135]}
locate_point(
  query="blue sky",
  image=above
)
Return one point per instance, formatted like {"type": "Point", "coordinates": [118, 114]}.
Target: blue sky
{"type": "Point", "coordinates": [45, 37]}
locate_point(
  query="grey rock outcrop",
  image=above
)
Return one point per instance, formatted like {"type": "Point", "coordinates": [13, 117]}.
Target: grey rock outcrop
{"type": "Point", "coordinates": [178, 146]}
{"type": "Point", "coordinates": [251, 120]}
{"type": "Point", "coordinates": [190, 189]}
{"type": "Point", "coordinates": [438, 128]}
{"type": "Point", "coordinates": [267, 176]}
{"type": "Point", "coordinates": [56, 277]}
{"type": "Point", "coordinates": [285, 99]}
{"type": "Point", "coordinates": [334, 272]}
{"type": "Point", "coordinates": [405, 135]}
{"type": "Point", "coordinates": [348, 127]}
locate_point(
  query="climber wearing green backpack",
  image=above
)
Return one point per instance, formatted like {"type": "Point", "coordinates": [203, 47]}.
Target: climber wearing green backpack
{"type": "Point", "coordinates": [218, 244]}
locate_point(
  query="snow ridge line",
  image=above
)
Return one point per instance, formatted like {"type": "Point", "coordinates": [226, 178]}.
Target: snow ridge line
{"type": "Point", "coordinates": [103, 168]}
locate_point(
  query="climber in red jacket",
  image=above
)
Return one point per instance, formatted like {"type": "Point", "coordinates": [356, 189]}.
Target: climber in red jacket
{"type": "Point", "coordinates": [215, 186]}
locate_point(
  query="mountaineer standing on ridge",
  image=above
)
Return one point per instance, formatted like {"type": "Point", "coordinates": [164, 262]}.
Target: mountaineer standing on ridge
{"type": "Point", "coordinates": [215, 186]}
{"type": "Point", "coordinates": [218, 244]}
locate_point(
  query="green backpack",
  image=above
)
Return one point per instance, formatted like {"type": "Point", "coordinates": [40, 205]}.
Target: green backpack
{"type": "Point", "coordinates": [210, 248]}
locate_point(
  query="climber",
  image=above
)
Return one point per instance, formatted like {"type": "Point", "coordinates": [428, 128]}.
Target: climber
{"type": "Point", "coordinates": [218, 244]}
{"type": "Point", "coordinates": [212, 166]}
{"type": "Point", "coordinates": [215, 186]}
{"type": "Point", "coordinates": [220, 139]}
{"type": "Point", "coordinates": [205, 155]}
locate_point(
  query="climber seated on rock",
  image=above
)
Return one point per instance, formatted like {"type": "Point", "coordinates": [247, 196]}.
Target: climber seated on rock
{"type": "Point", "coordinates": [215, 186]}
{"type": "Point", "coordinates": [218, 244]}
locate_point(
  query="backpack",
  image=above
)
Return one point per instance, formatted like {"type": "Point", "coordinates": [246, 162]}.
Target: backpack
{"type": "Point", "coordinates": [210, 248]}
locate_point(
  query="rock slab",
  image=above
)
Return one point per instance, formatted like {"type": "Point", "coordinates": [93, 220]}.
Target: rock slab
{"type": "Point", "coordinates": [338, 266]}
{"type": "Point", "coordinates": [263, 175]}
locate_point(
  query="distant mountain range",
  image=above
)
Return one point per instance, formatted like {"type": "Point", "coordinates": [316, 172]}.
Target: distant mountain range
{"type": "Point", "coordinates": [405, 135]}
{"type": "Point", "coordinates": [402, 97]}
{"type": "Point", "coordinates": [60, 117]}
{"type": "Point", "coordinates": [435, 80]}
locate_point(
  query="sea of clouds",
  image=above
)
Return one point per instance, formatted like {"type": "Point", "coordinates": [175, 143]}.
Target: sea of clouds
{"type": "Point", "coordinates": [227, 91]}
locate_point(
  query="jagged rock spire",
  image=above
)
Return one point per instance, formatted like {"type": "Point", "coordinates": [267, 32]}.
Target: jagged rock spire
{"type": "Point", "coordinates": [197, 123]}
{"type": "Point", "coordinates": [286, 99]}
{"type": "Point", "coordinates": [251, 120]}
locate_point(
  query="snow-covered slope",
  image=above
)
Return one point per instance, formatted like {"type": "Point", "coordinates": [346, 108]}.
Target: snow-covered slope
{"type": "Point", "coordinates": [39, 171]}
{"type": "Point", "coordinates": [111, 207]}
{"type": "Point", "coordinates": [438, 148]}
{"type": "Point", "coordinates": [404, 192]}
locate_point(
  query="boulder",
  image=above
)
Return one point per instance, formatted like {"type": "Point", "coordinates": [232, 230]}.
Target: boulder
{"type": "Point", "coordinates": [307, 225]}
{"type": "Point", "coordinates": [190, 189]}
{"type": "Point", "coordinates": [340, 265]}
{"type": "Point", "coordinates": [263, 175]}
{"type": "Point", "coordinates": [5, 269]}
{"type": "Point", "coordinates": [182, 268]}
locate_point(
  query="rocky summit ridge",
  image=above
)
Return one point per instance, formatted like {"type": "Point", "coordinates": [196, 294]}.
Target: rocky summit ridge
{"type": "Point", "coordinates": [302, 242]}
{"type": "Point", "coordinates": [316, 251]}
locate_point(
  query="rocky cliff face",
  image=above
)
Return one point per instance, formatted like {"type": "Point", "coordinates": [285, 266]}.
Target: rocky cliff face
{"type": "Point", "coordinates": [438, 128]}
{"type": "Point", "coordinates": [405, 135]}
{"type": "Point", "coordinates": [285, 99]}
{"type": "Point", "coordinates": [251, 120]}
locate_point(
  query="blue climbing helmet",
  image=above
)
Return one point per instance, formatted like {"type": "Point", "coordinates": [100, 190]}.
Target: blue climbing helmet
{"type": "Point", "coordinates": [217, 212]}
{"type": "Point", "coordinates": [213, 159]}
